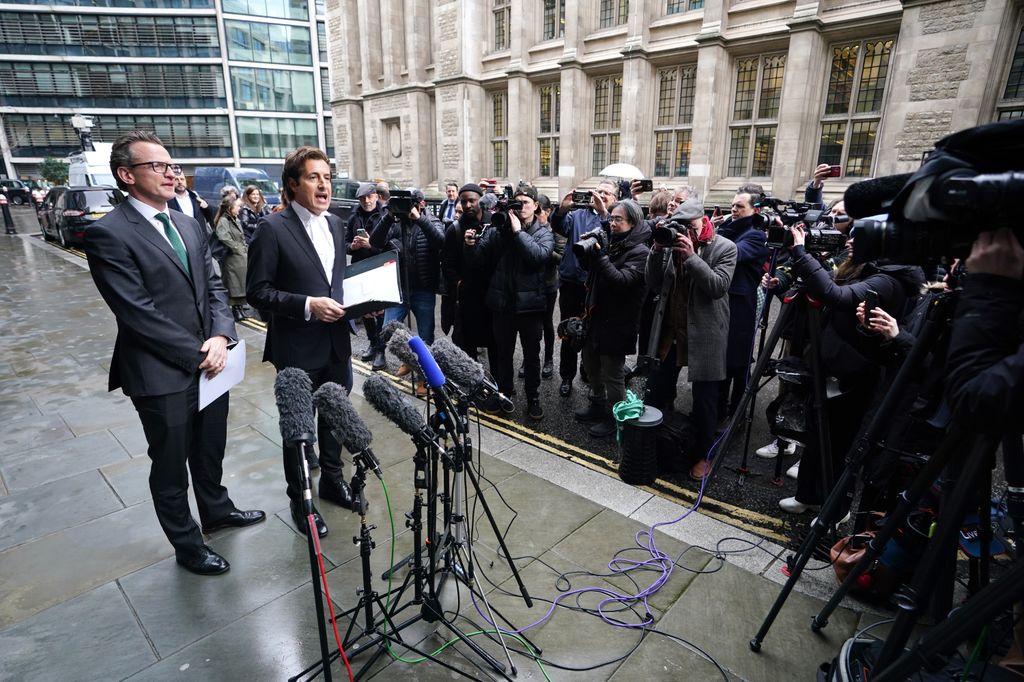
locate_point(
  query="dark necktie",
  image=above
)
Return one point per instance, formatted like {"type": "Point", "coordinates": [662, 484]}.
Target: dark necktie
{"type": "Point", "coordinates": [175, 239]}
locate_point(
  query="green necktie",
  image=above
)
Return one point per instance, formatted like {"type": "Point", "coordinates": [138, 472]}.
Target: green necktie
{"type": "Point", "coordinates": [176, 243]}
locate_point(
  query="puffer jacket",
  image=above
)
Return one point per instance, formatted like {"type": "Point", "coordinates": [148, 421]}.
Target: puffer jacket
{"type": "Point", "coordinates": [615, 292]}
{"type": "Point", "coordinates": [418, 243]}
{"type": "Point", "coordinates": [518, 262]}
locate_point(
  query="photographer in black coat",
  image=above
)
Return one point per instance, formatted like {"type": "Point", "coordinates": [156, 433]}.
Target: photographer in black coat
{"type": "Point", "coordinates": [516, 249]}
{"type": "Point", "coordinates": [615, 262]}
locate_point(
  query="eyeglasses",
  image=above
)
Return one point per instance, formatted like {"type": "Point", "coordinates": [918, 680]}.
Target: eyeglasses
{"type": "Point", "coordinates": [159, 167]}
{"type": "Point", "coordinates": [619, 219]}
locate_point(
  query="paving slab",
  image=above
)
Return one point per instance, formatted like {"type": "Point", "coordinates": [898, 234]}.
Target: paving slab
{"type": "Point", "coordinates": [132, 438]}
{"type": "Point", "coordinates": [92, 637]}
{"type": "Point", "coordinates": [129, 479]}
{"type": "Point", "coordinates": [91, 415]}
{"type": "Point", "coordinates": [177, 608]}
{"type": "Point", "coordinates": [53, 506]}
{"type": "Point", "coordinates": [39, 574]}
{"type": "Point", "coordinates": [30, 432]}
{"type": "Point", "coordinates": [28, 468]}
{"type": "Point", "coordinates": [17, 406]}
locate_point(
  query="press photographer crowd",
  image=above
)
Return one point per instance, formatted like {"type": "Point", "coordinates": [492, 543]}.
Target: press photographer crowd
{"type": "Point", "coordinates": [895, 341]}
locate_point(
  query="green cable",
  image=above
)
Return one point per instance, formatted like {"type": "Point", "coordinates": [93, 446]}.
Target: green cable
{"type": "Point", "coordinates": [975, 652]}
{"type": "Point", "coordinates": [624, 410]}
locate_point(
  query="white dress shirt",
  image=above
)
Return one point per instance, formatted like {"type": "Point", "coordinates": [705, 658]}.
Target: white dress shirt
{"type": "Point", "coordinates": [319, 232]}
{"type": "Point", "coordinates": [185, 202]}
{"type": "Point", "coordinates": [149, 213]}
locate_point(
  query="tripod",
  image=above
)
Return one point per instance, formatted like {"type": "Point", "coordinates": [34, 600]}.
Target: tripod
{"type": "Point", "coordinates": [867, 446]}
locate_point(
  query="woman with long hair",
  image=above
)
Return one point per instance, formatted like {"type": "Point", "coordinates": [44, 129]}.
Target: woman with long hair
{"type": "Point", "coordinates": [254, 207]}
{"type": "Point", "coordinates": [234, 266]}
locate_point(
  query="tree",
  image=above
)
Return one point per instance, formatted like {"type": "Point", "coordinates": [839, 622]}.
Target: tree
{"type": "Point", "coordinates": [54, 170]}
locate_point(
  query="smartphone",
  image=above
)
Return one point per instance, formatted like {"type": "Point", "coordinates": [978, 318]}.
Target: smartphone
{"type": "Point", "coordinates": [647, 185]}
{"type": "Point", "coordinates": [834, 171]}
{"type": "Point", "coordinates": [870, 303]}
{"type": "Point", "coordinates": [362, 233]}
{"type": "Point", "coordinates": [581, 197]}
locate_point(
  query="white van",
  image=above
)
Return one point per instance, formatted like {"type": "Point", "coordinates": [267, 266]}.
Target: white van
{"type": "Point", "coordinates": [91, 169]}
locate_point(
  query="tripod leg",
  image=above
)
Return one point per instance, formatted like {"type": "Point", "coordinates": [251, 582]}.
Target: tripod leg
{"type": "Point", "coordinates": [314, 564]}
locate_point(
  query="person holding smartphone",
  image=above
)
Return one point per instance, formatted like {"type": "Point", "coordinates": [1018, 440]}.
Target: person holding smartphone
{"type": "Point", "coordinates": [364, 239]}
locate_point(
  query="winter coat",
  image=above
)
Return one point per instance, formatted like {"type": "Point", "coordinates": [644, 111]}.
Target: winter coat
{"type": "Point", "coordinates": [419, 244]}
{"type": "Point", "coordinates": [517, 261]}
{"type": "Point", "coordinates": [369, 221]}
{"type": "Point", "coordinates": [846, 353]}
{"type": "Point", "coordinates": [468, 287]}
{"type": "Point", "coordinates": [248, 218]}
{"type": "Point", "coordinates": [551, 271]}
{"type": "Point", "coordinates": [751, 254]}
{"type": "Point", "coordinates": [234, 265]}
{"type": "Point", "coordinates": [571, 225]}
{"type": "Point", "coordinates": [707, 306]}
{"type": "Point", "coordinates": [986, 353]}
{"type": "Point", "coordinates": [615, 293]}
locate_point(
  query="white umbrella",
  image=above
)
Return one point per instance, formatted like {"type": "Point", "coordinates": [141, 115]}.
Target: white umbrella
{"type": "Point", "coordinates": [622, 170]}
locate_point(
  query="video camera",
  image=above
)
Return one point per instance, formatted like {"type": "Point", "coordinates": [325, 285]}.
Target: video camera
{"type": "Point", "coordinates": [820, 236]}
{"type": "Point", "coordinates": [506, 203]}
{"type": "Point", "coordinates": [402, 202]}
{"type": "Point", "coordinates": [967, 184]}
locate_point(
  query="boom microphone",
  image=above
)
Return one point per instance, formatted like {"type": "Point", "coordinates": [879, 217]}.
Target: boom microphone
{"type": "Point", "coordinates": [387, 400]}
{"type": "Point", "coordinates": [433, 374]}
{"type": "Point", "coordinates": [293, 392]}
{"type": "Point", "coordinates": [467, 372]}
{"type": "Point", "coordinates": [872, 197]}
{"type": "Point", "coordinates": [388, 330]}
{"type": "Point", "coordinates": [347, 426]}
{"type": "Point", "coordinates": [399, 347]}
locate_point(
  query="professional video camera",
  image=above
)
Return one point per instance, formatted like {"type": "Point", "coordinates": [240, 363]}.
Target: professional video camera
{"type": "Point", "coordinates": [589, 242]}
{"type": "Point", "coordinates": [820, 236]}
{"type": "Point", "coordinates": [789, 212]}
{"type": "Point", "coordinates": [969, 183]}
{"type": "Point", "coordinates": [401, 202]}
{"type": "Point", "coordinates": [506, 203]}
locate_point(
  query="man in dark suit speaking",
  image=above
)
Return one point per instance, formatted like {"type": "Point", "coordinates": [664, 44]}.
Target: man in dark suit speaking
{"type": "Point", "coordinates": [296, 273]}
{"type": "Point", "coordinates": [153, 268]}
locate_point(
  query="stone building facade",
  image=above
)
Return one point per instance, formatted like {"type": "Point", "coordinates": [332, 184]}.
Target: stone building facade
{"type": "Point", "coordinates": [709, 92]}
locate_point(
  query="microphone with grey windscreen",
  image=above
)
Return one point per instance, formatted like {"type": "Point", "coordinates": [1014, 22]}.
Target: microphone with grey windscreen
{"type": "Point", "coordinates": [466, 372]}
{"type": "Point", "coordinates": [390, 402]}
{"type": "Point", "coordinates": [293, 391]}
{"type": "Point", "coordinates": [398, 345]}
{"type": "Point", "coordinates": [388, 330]}
{"type": "Point", "coordinates": [345, 423]}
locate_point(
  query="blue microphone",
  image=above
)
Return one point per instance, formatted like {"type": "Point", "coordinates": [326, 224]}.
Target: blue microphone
{"type": "Point", "coordinates": [432, 373]}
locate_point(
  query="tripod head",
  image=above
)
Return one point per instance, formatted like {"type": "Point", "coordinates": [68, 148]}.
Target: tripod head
{"type": "Point", "coordinates": [359, 502]}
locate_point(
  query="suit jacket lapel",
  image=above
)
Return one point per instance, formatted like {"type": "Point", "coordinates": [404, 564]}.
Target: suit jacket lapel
{"type": "Point", "coordinates": [338, 232]}
{"type": "Point", "coordinates": [298, 231]}
{"type": "Point", "coordinates": [148, 232]}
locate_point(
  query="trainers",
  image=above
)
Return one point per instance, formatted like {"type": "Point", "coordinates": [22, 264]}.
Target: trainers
{"type": "Point", "coordinates": [771, 451]}
{"type": "Point", "coordinates": [602, 429]}
{"type": "Point", "coordinates": [533, 408]}
{"type": "Point", "coordinates": [794, 471]}
{"type": "Point", "coordinates": [793, 506]}
{"type": "Point", "coordinates": [840, 522]}
{"type": "Point", "coordinates": [548, 370]}
{"type": "Point", "coordinates": [595, 412]}
{"type": "Point", "coordinates": [491, 406]}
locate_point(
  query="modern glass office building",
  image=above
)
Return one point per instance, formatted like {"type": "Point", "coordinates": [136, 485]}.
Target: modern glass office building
{"type": "Point", "coordinates": [222, 82]}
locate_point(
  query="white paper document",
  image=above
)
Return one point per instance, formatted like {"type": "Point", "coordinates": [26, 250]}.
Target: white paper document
{"type": "Point", "coordinates": [377, 284]}
{"type": "Point", "coordinates": [230, 376]}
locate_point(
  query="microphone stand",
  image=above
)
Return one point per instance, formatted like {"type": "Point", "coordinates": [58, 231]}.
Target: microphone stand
{"type": "Point", "coordinates": [303, 444]}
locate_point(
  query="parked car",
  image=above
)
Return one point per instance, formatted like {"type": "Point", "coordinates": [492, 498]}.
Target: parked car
{"type": "Point", "coordinates": [343, 195]}
{"type": "Point", "coordinates": [73, 210]}
{"type": "Point", "coordinates": [44, 211]}
{"type": "Point", "coordinates": [18, 192]}
{"type": "Point", "coordinates": [208, 181]}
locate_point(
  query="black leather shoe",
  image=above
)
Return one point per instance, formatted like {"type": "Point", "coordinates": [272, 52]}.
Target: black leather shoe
{"type": "Point", "coordinates": [300, 521]}
{"type": "Point", "coordinates": [337, 492]}
{"type": "Point", "coordinates": [236, 519]}
{"type": "Point", "coordinates": [379, 361]}
{"type": "Point", "coordinates": [565, 390]}
{"type": "Point", "coordinates": [203, 562]}
{"type": "Point", "coordinates": [312, 461]}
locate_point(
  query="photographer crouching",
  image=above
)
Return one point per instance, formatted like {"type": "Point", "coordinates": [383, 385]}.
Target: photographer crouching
{"type": "Point", "coordinates": [516, 249]}
{"type": "Point", "coordinates": [692, 268]}
{"type": "Point", "coordinates": [615, 260]}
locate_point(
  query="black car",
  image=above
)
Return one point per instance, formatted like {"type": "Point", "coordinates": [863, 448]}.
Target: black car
{"type": "Point", "coordinates": [343, 196]}
{"type": "Point", "coordinates": [18, 192]}
{"type": "Point", "coordinates": [68, 211]}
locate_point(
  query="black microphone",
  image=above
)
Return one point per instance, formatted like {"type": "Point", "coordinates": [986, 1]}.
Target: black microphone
{"type": "Point", "coordinates": [388, 330]}
{"type": "Point", "coordinates": [466, 372]}
{"type": "Point", "coordinates": [872, 197]}
{"type": "Point", "coordinates": [346, 424]}
{"type": "Point", "coordinates": [293, 391]}
{"type": "Point", "coordinates": [398, 345]}
{"type": "Point", "coordinates": [390, 402]}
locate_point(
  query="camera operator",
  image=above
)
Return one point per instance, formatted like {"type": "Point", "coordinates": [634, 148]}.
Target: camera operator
{"type": "Point", "coordinates": [516, 249]}
{"type": "Point", "coordinates": [693, 277]}
{"type": "Point", "coordinates": [986, 353]}
{"type": "Point", "coordinates": [615, 261]}
{"type": "Point", "coordinates": [845, 352]}
{"type": "Point", "coordinates": [571, 220]}
{"type": "Point", "coordinates": [466, 287]}
{"type": "Point", "coordinates": [366, 235]}
{"type": "Point", "coordinates": [751, 254]}
{"type": "Point", "coordinates": [417, 236]}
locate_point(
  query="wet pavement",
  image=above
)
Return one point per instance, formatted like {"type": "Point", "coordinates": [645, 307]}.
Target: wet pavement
{"type": "Point", "coordinates": [89, 588]}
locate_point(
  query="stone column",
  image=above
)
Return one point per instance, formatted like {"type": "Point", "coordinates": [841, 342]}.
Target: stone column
{"type": "Point", "coordinates": [522, 131]}
{"type": "Point", "coordinates": [639, 101]}
{"type": "Point", "coordinates": [574, 154]}
{"type": "Point", "coordinates": [711, 113]}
